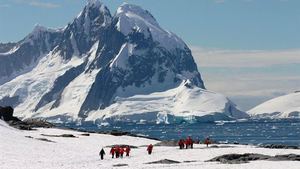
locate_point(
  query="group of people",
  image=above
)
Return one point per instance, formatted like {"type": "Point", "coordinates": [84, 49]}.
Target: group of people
{"type": "Point", "coordinates": [186, 143]}
{"type": "Point", "coordinates": [189, 142]}
{"type": "Point", "coordinates": [118, 151]}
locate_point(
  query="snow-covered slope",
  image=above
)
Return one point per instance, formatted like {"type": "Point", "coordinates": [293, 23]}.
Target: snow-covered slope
{"type": "Point", "coordinates": [99, 64]}
{"type": "Point", "coordinates": [184, 103]}
{"type": "Point", "coordinates": [24, 150]}
{"type": "Point", "coordinates": [287, 106]}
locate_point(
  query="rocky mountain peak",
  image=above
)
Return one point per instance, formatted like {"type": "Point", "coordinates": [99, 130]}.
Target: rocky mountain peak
{"type": "Point", "coordinates": [97, 61]}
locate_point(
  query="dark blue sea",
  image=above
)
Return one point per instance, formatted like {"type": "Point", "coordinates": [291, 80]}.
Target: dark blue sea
{"type": "Point", "coordinates": [256, 132]}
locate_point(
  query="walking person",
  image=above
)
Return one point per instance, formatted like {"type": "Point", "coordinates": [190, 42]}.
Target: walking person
{"type": "Point", "coordinates": [149, 149]}
{"type": "Point", "coordinates": [102, 153]}
{"type": "Point", "coordinates": [192, 143]}
{"type": "Point", "coordinates": [117, 151]}
{"type": "Point", "coordinates": [127, 150]}
{"type": "Point", "coordinates": [186, 142]}
{"type": "Point", "coordinates": [121, 152]}
{"type": "Point", "coordinates": [207, 141]}
{"type": "Point", "coordinates": [112, 152]}
{"type": "Point", "coordinates": [181, 144]}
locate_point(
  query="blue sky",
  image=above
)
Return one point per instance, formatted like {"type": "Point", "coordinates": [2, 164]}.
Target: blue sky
{"type": "Point", "coordinates": [229, 24]}
{"type": "Point", "coordinates": [251, 43]}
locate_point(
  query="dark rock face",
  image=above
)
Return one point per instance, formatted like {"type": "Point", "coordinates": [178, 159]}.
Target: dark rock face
{"type": "Point", "coordinates": [7, 100]}
{"type": "Point", "coordinates": [140, 69]}
{"type": "Point", "coordinates": [245, 158]}
{"type": "Point", "coordinates": [5, 47]}
{"type": "Point", "coordinates": [6, 113]}
{"type": "Point", "coordinates": [84, 31]}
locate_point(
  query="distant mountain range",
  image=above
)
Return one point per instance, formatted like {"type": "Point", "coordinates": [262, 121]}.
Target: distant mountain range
{"type": "Point", "coordinates": [105, 68]}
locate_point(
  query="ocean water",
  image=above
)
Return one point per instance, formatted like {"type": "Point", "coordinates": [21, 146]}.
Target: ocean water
{"type": "Point", "coordinates": [256, 132]}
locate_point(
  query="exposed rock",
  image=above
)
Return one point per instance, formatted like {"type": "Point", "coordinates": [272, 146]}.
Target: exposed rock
{"type": "Point", "coordinates": [245, 158]}
{"type": "Point", "coordinates": [38, 123]}
{"type": "Point", "coordinates": [120, 165]}
{"type": "Point", "coordinates": [164, 161]}
{"type": "Point", "coordinates": [287, 157]}
{"type": "Point", "coordinates": [44, 139]}
{"type": "Point", "coordinates": [192, 161]}
{"type": "Point", "coordinates": [239, 158]}
{"type": "Point", "coordinates": [6, 113]}
{"type": "Point", "coordinates": [279, 146]}
{"type": "Point", "coordinates": [62, 135]}
{"type": "Point", "coordinates": [85, 134]}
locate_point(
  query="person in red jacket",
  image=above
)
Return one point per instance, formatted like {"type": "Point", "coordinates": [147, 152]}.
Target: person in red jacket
{"type": "Point", "coordinates": [186, 142]}
{"type": "Point", "coordinates": [181, 144]}
{"type": "Point", "coordinates": [127, 150]}
{"type": "Point", "coordinates": [149, 149]}
{"type": "Point", "coordinates": [117, 151]}
{"type": "Point", "coordinates": [121, 150]}
{"type": "Point", "coordinates": [112, 152]}
{"type": "Point", "coordinates": [207, 141]}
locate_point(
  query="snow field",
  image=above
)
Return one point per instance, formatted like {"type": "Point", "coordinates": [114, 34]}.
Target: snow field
{"type": "Point", "coordinates": [20, 152]}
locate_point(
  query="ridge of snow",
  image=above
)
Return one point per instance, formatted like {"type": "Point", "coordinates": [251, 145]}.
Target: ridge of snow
{"type": "Point", "coordinates": [132, 17]}
{"type": "Point", "coordinates": [13, 50]}
{"type": "Point", "coordinates": [279, 107]}
{"type": "Point", "coordinates": [121, 59]}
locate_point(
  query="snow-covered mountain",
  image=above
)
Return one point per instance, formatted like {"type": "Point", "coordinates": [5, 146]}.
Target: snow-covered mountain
{"type": "Point", "coordinates": [287, 106]}
{"type": "Point", "coordinates": [102, 67]}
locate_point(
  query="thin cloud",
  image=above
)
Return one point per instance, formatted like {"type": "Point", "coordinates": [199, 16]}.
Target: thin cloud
{"type": "Point", "coordinates": [37, 3]}
{"type": "Point", "coordinates": [249, 77]}
{"type": "Point", "coordinates": [239, 58]}
{"type": "Point", "coordinates": [43, 4]}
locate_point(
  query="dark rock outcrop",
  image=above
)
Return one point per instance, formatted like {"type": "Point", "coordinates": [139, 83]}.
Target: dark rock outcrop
{"type": "Point", "coordinates": [62, 135]}
{"type": "Point", "coordinates": [120, 165]}
{"type": "Point", "coordinates": [164, 161]}
{"type": "Point", "coordinates": [279, 146]}
{"type": "Point", "coordinates": [6, 113]}
{"type": "Point", "coordinates": [245, 158]}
